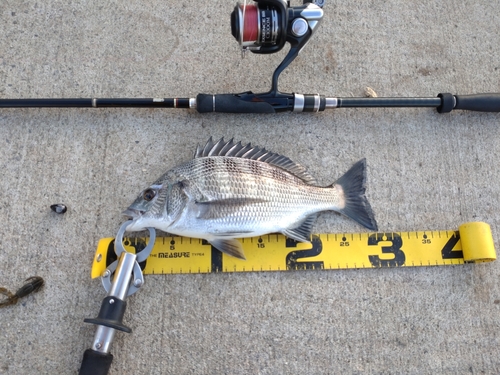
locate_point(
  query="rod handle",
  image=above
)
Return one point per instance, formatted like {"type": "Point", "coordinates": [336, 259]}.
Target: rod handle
{"type": "Point", "coordinates": [95, 363]}
{"type": "Point", "coordinates": [479, 102]}
{"type": "Point", "coordinates": [230, 103]}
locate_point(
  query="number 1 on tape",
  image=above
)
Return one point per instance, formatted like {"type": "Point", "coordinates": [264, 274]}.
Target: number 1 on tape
{"type": "Point", "coordinates": [472, 243]}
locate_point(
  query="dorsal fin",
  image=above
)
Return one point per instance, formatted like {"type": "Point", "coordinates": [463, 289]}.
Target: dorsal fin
{"type": "Point", "coordinates": [237, 150]}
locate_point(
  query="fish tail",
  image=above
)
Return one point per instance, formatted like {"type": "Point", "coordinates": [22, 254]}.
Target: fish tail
{"type": "Point", "coordinates": [353, 186]}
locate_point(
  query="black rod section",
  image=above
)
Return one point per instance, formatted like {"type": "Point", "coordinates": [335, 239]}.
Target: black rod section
{"type": "Point", "coordinates": [42, 103]}
{"type": "Point", "coordinates": [388, 102]}
{"type": "Point", "coordinates": [96, 103]}
{"type": "Point", "coordinates": [478, 102]}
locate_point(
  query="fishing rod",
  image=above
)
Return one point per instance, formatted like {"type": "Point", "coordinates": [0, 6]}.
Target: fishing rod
{"type": "Point", "coordinates": [264, 27]}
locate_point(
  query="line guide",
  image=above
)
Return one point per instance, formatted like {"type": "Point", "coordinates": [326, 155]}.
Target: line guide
{"type": "Point", "coordinates": [472, 243]}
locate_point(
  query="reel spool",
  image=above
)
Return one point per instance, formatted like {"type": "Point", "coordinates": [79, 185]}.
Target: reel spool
{"type": "Point", "coordinates": [266, 25]}
{"type": "Point", "coordinates": [260, 27]}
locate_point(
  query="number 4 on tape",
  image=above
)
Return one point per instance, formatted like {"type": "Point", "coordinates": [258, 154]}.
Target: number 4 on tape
{"type": "Point", "coordinates": [472, 243]}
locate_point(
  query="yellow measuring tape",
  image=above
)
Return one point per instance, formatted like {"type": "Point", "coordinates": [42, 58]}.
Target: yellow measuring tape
{"type": "Point", "coordinates": [472, 243]}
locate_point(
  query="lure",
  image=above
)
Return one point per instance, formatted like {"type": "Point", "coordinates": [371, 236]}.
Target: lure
{"type": "Point", "coordinates": [33, 284]}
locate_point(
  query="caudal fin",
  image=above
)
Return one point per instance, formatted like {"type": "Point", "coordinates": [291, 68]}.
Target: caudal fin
{"type": "Point", "coordinates": [356, 205]}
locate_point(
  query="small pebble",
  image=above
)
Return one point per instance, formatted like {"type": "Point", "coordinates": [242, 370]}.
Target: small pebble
{"type": "Point", "coordinates": [59, 208]}
{"type": "Point", "coordinates": [370, 93]}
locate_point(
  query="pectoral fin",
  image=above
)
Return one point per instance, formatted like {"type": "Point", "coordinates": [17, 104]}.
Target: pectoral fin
{"type": "Point", "coordinates": [230, 247]}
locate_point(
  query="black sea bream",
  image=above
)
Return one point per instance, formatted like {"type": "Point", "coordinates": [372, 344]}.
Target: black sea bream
{"type": "Point", "coordinates": [230, 191]}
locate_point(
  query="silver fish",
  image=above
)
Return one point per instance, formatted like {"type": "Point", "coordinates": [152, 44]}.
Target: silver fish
{"type": "Point", "coordinates": [231, 191]}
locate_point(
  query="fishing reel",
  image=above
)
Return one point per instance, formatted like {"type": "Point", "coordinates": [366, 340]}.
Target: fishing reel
{"type": "Point", "coordinates": [266, 25]}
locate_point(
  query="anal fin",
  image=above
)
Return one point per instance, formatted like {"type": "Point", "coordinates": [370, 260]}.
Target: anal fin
{"type": "Point", "coordinates": [229, 246]}
{"type": "Point", "coordinates": [303, 232]}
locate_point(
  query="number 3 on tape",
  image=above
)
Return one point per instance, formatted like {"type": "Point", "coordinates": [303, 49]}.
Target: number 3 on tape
{"type": "Point", "coordinates": [472, 243]}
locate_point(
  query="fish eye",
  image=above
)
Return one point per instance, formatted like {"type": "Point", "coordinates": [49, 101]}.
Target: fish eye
{"type": "Point", "coordinates": [149, 194]}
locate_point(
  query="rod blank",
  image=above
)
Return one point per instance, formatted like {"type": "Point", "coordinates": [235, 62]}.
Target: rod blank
{"type": "Point", "coordinates": [98, 103]}
{"type": "Point", "coordinates": [270, 102]}
{"type": "Point", "coordinates": [387, 102]}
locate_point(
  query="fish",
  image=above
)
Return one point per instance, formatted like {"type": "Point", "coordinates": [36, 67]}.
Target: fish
{"type": "Point", "coordinates": [230, 190]}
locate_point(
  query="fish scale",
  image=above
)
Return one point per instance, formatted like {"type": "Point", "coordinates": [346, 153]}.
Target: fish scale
{"type": "Point", "coordinates": [231, 191]}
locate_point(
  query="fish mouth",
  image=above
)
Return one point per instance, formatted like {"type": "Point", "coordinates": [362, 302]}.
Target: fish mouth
{"type": "Point", "coordinates": [132, 213]}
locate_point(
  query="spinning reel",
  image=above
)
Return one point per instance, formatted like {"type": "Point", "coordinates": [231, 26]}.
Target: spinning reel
{"type": "Point", "coordinates": [265, 27]}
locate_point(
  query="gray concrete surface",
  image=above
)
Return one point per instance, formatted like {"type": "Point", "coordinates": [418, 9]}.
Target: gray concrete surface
{"type": "Point", "coordinates": [426, 171]}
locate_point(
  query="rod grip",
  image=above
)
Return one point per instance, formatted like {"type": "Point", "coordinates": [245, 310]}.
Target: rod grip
{"type": "Point", "coordinates": [230, 103]}
{"type": "Point", "coordinates": [479, 102]}
{"type": "Point", "coordinates": [95, 363]}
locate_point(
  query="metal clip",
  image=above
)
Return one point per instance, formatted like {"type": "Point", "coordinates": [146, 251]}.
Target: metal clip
{"type": "Point", "coordinates": [143, 255]}
{"type": "Point", "coordinates": [138, 279]}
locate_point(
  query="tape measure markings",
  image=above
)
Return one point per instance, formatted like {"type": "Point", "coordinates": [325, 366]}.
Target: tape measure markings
{"type": "Point", "coordinates": [473, 242]}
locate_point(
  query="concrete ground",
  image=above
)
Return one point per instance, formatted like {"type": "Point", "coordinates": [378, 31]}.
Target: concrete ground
{"type": "Point", "coordinates": [426, 171]}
